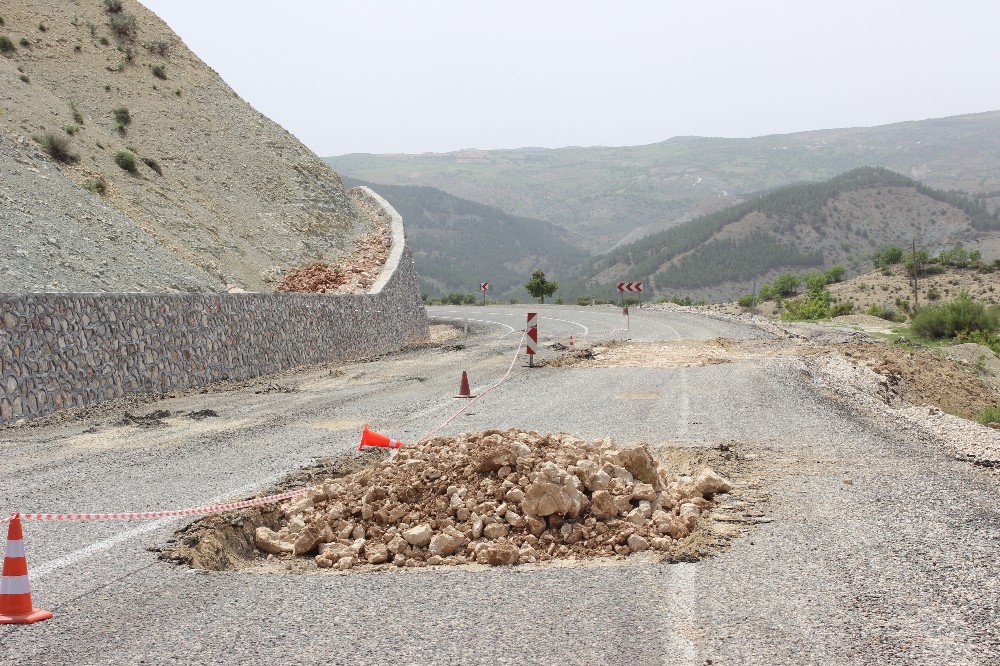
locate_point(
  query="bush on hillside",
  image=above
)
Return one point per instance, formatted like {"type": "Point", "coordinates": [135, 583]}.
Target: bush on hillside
{"type": "Point", "coordinates": [123, 118]}
{"type": "Point", "coordinates": [6, 46]}
{"type": "Point", "coordinates": [990, 415]}
{"type": "Point", "coordinates": [786, 285]}
{"type": "Point", "coordinates": [961, 316]}
{"type": "Point", "coordinates": [96, 185]}
{"type": "Point", "coordinates": [841, 309]}
{"type": "Point", "coordinates": [835, 274]}
{"type": "Point", "coordinates": [126, 161]}
{"type": "Point", "coordinates": [113, 6]}
{"type": "Point", "coordinates": [584, 300]}
{"type": "Point", "coordinates": [57, 147]}
{"type": "Point", "coordinates": [888, 256]}
{"type": "Point", "coordinates": [123, 25]}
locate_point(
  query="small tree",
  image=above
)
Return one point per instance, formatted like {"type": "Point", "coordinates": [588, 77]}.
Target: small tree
{"type": "Point", "coordinates": [787, 285]}
{"type": "Point", "coordinates": [539, 287]}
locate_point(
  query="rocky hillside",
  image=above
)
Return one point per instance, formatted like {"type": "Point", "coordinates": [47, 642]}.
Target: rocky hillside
{"type": "Point", "coordinates": [457, 244]}
{"type": "Point", "coordinates": [841, 221]}
{"type": "Point", "coordinates": [185, 179]}
{"type": "Point", "coordinates": [610, 195]}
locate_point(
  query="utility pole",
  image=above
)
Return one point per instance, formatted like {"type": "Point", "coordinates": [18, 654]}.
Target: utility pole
{"type": "Point", "coordinates": [916, 271]}
{"type": "Point", "coordinates": [753, 301]}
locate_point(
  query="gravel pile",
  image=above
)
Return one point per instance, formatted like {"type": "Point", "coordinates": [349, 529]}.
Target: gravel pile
{"type": "Point", "coordinates": [316, 277]}
{"type": "Point", "coordinates": [496, 498]}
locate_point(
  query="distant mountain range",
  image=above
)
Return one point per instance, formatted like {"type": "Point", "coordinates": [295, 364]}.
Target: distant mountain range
{"type": "Point", "coordinates": [608, 196]}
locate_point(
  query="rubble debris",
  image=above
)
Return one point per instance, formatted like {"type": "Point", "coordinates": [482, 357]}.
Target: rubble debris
{"type": "Point", "coordinates": [199, 414]}
{"type": "Point", "coordinates": [495, 498]}
{"type": "Point", "coordinates": [316, 277]}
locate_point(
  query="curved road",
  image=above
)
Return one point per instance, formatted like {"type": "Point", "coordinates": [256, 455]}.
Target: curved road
{"type": "Point", "coordinates": [897, 566]}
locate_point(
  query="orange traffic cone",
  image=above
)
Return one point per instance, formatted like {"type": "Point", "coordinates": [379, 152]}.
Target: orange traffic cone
{"type": "Point", "coordinates": [15, 594]}
{"type": "Point", "coordinates": [372, 438]}
{"type": "Point", "coordinates": [464, 391]}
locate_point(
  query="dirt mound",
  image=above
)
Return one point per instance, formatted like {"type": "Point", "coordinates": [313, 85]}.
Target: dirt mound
{"type": "Point", "coordinates": [496, 498]}
{"type": "Point", "coordinates": [923, 377]}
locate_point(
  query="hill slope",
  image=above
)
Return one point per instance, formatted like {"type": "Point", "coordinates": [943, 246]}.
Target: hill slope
{"type": "Point", "coordinates": [222, 190]}
{"type": "Point", "coordinates": [839, 221]}
{"type": "Point", "coordinates": [610, 194]}
{"type": "Point", "coordinates": [457, 244]}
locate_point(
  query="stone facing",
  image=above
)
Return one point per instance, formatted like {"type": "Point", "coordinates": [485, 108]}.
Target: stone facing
{"type": "Point", "coordinates": [75, 350]}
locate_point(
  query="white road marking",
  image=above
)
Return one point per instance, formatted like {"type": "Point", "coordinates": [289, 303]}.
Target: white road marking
{"type": "Point", "coordinates": [106, 544]}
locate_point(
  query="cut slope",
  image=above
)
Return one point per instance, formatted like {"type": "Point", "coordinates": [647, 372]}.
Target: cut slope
{"type": "Point", "coordinates": [457, 244]}
{"type": "Point", "coordinates": [55, 236]}
{"type": "Point", "coordinates": [606, 193]}
{"type": "Point", "coordinates": [216, 184]}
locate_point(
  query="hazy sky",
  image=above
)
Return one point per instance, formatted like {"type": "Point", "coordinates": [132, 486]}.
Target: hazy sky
{"type": "Point", "coordinates": [427, 75]}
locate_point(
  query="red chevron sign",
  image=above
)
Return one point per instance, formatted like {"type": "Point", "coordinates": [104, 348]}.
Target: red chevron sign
{"type": "Point", "coordinates": [484, 286]}
{"type": "Point", "coordinates": [629, 286]}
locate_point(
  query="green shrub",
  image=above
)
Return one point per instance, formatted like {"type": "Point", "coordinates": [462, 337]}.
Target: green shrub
{"type": "Point", "coordinates": [71, 129]}
{"type": "Point", "coordinates": [113, 6]}
{"type": "Point", "coordinates": [122, 118]}
{"type": "Point", "coordinates": [6, 46]}
{"type": "Point", "coordinates": [96, 185]}
{"type": "Point", "coordinates": [841, 309]}
{"type": "Point", "coordinates": [57, 147]}
{"type": "Point", "coordinates": [24, 42]}
{"type": "Point", "coordinates": [153, 164]}
{"type": "Point", "coordinates": [933, 294]}
{"type": "Point", "coordinates": [961, 316]}
{"type": "Point", "coordinates": [990, 414]}
{"type": "Point", "coordinates": [126, 161]}
{"type": "Point", "coordinates": [745, 301]}
{"type": "Point", "coordinates": [159, 48]}
{"type": "Point", "coordinates": [160, 72]}
{"type": "Point", "coordinates": [1, 21]}
{"type": "Point", "coordinates": [41, 27]}
{"type": "Point", "coordinates": [801, 309]}
{"type": "Point", "coordinates": [766, 293]}
{"type": "Point", "coordinates": [104, 41]}
{"type": "Point", "coordinates": [24, 78]}
{"type": "Point", "coordinates": [886, 312]}
{"type": "Point", "coordinates": [583, 300]}
{"type": "Point", "coordinates": [787, 285]}
{"type": "Point", "coordinates": [888, 256]}
{"type": "Point", "coordinates": [123, 25]}
{"type": "Point", "coordinates": [835, 274]}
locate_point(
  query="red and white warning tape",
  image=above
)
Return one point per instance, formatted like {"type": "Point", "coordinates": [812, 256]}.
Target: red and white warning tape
{"type": "Point", "coordinates": [433, 431]}
{"type": "Point", "coordinates": [144, 515]}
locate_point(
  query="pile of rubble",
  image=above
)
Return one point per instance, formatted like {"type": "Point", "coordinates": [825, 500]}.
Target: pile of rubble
{"type": "Point", "coordinates": [316, 278]}
{"type": "Point", "coordinates": [497, 498]}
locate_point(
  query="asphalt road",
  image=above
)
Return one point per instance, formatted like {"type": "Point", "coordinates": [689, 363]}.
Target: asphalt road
{"type": "Point", "coordinates": [897, 566]}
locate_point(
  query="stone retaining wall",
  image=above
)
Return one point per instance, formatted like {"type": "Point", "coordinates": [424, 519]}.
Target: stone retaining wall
{"type": "Point", "coordinates": [76, 350]}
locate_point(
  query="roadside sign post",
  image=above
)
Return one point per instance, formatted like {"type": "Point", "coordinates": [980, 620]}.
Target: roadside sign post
{"type": "Point", "coordinates": [485, 287]}
{"type": "Point", "coordinates": [532, 338]}
{"type": "Point", "coordinates": [632, 287]}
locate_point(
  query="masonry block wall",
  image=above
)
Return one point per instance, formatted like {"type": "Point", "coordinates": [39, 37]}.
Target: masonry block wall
{"type": "Point", "coordinates": [75, 350]}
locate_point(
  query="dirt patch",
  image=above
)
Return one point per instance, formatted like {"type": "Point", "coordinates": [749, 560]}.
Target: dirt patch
{"type": "Point", "coordinates": [671, 354]}
{"type": "Point", "coordinates": [924, 377]}
{"type": "Point", "coordinates": [492, 498]}
{"type": "Point", "coordinates": [151, 420]}
{"type": "Point", "coordinates": [443, 332]}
